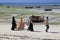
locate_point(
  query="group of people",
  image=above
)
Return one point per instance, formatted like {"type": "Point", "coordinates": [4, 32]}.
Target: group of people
{"type": "Point", "coordinates": [30, 28]}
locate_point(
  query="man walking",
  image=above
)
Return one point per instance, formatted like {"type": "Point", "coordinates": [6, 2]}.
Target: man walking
{"type": "Point", "coordinates": [47, 24]}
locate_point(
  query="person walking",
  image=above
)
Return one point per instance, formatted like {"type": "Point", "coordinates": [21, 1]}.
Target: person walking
{"type": "Point", "coordinates": [30, 28]}
{"type": "Point", "coordinates": [20, 24]}
{"type": "Point", "coordinates": [13, 23]}
{"type": "Point", "coordinates": [47, 24]}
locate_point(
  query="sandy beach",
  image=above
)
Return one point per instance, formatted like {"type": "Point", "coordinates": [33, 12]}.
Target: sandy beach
{"type": "Point", "coordinates": [39, 33]}
{"type": "Point", "coordinates": [39, 29]}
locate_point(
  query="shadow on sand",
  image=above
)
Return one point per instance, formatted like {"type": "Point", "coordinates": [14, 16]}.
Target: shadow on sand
{"type": "Point", "coordinates": [54, 32]}
{"type": "Point", "coordinates": [36, 31]}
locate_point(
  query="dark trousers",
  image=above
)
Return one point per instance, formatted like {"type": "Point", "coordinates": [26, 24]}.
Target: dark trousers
{"type": "Point", "coordinates": [47, 27]}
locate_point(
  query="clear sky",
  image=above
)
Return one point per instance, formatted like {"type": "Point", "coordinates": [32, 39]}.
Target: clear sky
{"type": "Point", "coordinates": [31, 1]}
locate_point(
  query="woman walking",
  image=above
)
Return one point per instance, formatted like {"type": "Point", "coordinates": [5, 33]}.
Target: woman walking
{"type": "Point", "coordinates": [13, 23]}
{"type": "Point", "coordinates": [30, 28]}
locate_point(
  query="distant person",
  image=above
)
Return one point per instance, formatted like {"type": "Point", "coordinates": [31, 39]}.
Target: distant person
{"type": "Point", "coordinates": [13, 23]}
{"type": "Point", "coordinates": [20, 24]}
{"type": "Point", "coordinates": [47, 24]}
{"type": "Point", "coordinates": [30, 28]}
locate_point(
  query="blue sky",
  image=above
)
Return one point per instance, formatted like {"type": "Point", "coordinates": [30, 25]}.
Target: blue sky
{"type": "Point", "coordinates": [31, 1]}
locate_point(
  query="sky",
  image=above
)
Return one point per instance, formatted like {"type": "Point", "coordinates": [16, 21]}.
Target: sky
{"type": "Point", "coordinates": [31, 1]}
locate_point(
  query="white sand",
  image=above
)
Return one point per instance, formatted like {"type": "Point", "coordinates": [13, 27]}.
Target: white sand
{"type": "Point", "coordinates": [39, 33]}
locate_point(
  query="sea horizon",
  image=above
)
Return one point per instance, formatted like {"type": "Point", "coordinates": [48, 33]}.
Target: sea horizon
{"type": "Point", "coordinates": [30, 4]}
